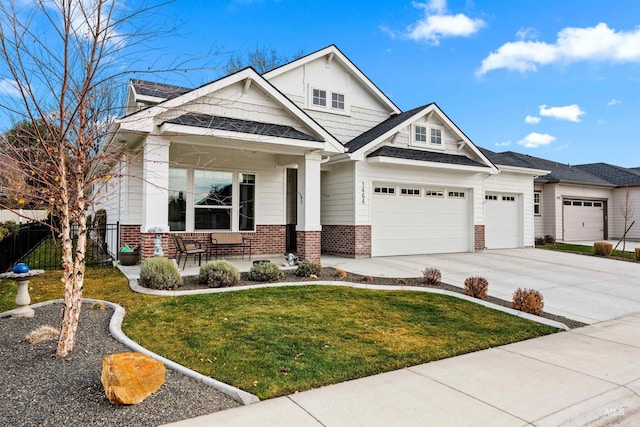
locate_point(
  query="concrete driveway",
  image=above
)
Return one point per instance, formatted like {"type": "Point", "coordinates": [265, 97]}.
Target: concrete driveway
{"type": "Point", "coordinates": [583, 288]}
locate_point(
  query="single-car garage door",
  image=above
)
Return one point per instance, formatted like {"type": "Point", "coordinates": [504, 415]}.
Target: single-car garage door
{"type": "Point", "coordinates": [503, 224]}
{"type": "Point", "coordinates": [412, 219]}
{"type": "Point", "coordinates": [583, 219]}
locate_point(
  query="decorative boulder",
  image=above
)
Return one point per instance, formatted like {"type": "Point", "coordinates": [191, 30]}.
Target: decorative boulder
{"type": "Point", "coordinates": [128, 378]}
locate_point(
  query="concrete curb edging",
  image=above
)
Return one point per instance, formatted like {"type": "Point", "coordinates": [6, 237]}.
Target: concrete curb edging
{"type": "Point", "coordinates": [115, 328]}
{"type": "Point", "coordinates": [133, 284]}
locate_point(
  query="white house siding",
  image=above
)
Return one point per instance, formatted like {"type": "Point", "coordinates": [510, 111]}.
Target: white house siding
{"type": "Point", "coordinates": [345, 128]}
{"type": "Point", "coordinates": [616, 219]}
{"type": "Point", "coordinates": [568, 191]}
{"type": "Point", "coordinates": [338, 196]}
{"type": "Point", "coordinates": [539, 229]}
{"type": "Point", "coordinates": [521, 186]}
{"type": "Point", "coordinates": [121, 197]}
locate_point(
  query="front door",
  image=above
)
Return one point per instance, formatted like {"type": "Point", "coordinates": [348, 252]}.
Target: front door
{"type": "Point", "coordinates": [292, 209]}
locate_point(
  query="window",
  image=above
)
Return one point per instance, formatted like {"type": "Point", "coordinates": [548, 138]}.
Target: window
{"type": "Point", "coordinates": [337, 101]}
{"type": "Point", "coordinates": [456, 194]}
{"type": "Point", "coordinates": [384, 190]}
{"type": "Point", "coordinates": [536, 203]}
{"type": "Point", "coordinates": [247, 210]}
{"type": "Point", "coordinates": [508, 198]}
{"type": "Point", "coordinates": [213, 195]}
{"type": "Point", "coordinates": [177, 201]}
{"type": "Point", "coordinates": [566, 202]}
{"type": "Point", "coordinates": [576, 203]}
{"type": "Point", "coordinates": [421, 134]}
{"type": "Point", "coordinates": [491, 197]}
{"type": "Point", "coordinates": [433, 193]}
{"type": "Point", "coordinates": [410, 191]}
{"type": "Point", "coordinates": [320, 97]}
{"type": "Point", "coordinates": [597, 204]}
{"type": "Point", "coordinates": [436, 136]}
{"type": "Point", "coordinates": [588, 203]}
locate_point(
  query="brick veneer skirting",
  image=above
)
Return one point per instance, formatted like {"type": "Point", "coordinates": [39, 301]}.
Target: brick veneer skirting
{"type": "Point", "coordinates": [267, 239]}
{"type": "Point", "coordinates": [349, 240]}
{"type": "Point", "coordinates": [309, 243]}
{"type": "Point", "coordinates": [479, 236]}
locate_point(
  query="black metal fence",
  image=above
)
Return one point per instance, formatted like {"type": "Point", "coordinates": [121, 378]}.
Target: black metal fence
{"type": "Point", "coordinates": [37, 246]}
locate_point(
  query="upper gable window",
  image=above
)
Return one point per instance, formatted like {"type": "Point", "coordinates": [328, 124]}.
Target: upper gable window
{"type": "Point", "coordinates": [320, 98]}
{"type": "Point", "coordinates": [436, 136]}
{"type": "Point", "coordinates": [421, 134]}
{"type": "Point", "coordinates": [337, 101]}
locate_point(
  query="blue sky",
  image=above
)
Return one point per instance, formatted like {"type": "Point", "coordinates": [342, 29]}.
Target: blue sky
{"type": "Point", "coordinates": [554, 79]}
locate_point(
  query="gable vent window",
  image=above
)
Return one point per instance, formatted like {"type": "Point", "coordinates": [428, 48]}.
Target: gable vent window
{"type": "Point", "coordinates": [410, 191]}
{"type": "Point", "coordinates": [433, 193]}
{"type": "Point", "coordinates": [421, 134]}
{"type": "Point", "coordinates": [384, 190]}
{"type": "Point", "coordinates": [491, 197]}
{"type": "Point", "coordinates": [456, 194]}
{"type": "Point", "coordinates": [508, 198]}
{"type": "Point", "coordinates": [436, 136]}
{"type": "Point", "coordinates": [320, 98]}
{"type": "Point", "coordinates": [337, 101]}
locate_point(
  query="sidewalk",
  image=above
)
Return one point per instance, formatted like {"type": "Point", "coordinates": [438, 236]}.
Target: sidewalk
{"type": "Point", "coordinates": [585, 376]}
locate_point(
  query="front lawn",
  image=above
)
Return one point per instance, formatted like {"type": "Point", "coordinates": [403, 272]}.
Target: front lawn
{"type": "Point", "coordinates": [276, 341]}
{"type": "Point", "coordinates": [568, 247]}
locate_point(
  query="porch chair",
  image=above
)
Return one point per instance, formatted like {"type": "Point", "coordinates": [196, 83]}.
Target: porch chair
{"type": "Point", "coordinates": [188, 247]}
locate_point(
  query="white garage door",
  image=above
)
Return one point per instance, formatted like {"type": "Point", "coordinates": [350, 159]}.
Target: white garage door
{"type": "Point", "coordinates": [412, 219]}
{"type": "Point", "coordinates": [583, 219]}
{"type": "Point", "coordinates": [503, 224]}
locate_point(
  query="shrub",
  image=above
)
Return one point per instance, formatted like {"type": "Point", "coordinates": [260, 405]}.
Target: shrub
{"type": "Point", "coordinates": [219, 274]}
{"type": "Point", "coordinates": [367, 279]}
{"type": "Point", "coordinates": [401, 281]}
{"type": "Point", "coordinates": [602, 248]}
{"type": "Point", "coordinates": [476, 287]}
{"type": "Point", "coordinates": [549, 239]}
{"type": "Point", "coordinates": [159, 273]}
{"type": "Point", "coordinates": [43, 333]}
{"type": "Point", "coordinates": [528, 300]}
{"type": "Point", "coordinates": [307, 268]}
{"type": "Point", "coordinates": [265, 272]}
{"type": "Point", "coordinates": [637, 254]}
{"type": "Point", "coordinates": [431, 276]}
{"type": "Point", "coordinates": [340, 274]}
{"type": "Point", "coordinates": [539, 241]}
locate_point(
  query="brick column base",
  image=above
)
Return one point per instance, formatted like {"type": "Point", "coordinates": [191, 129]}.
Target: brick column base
{"type": "Point", "coordinates": [479, 237]}
{"type": "Point", "coordinates": [147, 245]}
{"type": "Point", "coordinates": [309, 243]}
{"type": "Point", "coordinates": [347, 240]}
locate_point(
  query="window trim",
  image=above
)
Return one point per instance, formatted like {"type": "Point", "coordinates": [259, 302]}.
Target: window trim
{"type": "Point", "coordinates": [440, 129]}
{"type": "Point", "coordinates": [384, 190]}
{"type": "Point", "coordinates": [410, 191]}
{"type": "Point", "coordinates": [537, 204]}
{"type": "Point", "coordinates": [322, 95]}
{"type": "Point", "coordinates": [433, 193]}
{"type": "Point", "coordinates": [456, 194]}
{"type": "Point", "coordinates": [329, 101]}
{"type": "Point", "coordinates": [420, 134]}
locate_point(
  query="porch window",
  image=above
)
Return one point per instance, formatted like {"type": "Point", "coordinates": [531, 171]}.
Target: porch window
{"type": "Point", "coordinates": [177, 201]}
{"type": "Point", "coordinates": [213, 193]}
{"type": "Point", "coordinates": [247, 220]}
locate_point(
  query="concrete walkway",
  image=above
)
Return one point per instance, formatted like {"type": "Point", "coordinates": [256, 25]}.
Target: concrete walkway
{"type": "Point", "coordinates": [588, 376]}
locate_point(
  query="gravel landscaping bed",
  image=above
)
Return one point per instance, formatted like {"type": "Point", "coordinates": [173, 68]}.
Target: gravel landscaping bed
{"type": "Point", "coordinates": [39, 389]}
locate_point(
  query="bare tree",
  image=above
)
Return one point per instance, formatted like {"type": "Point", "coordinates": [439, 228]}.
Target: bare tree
{"type": "Point", "coordinates": [627, 210]}
{"type": "Point", "coordinates": [63, 62]}
{"type": "Point", "coordinates": [261, 59]}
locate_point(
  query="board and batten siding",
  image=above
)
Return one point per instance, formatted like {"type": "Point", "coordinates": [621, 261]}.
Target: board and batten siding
{"type": "Point", "coordinates": [522, 186]}
{"type": "Point", "coordinates": [345, 128]}
{"type": "Point", "coordinates": [616, 219]}
{"type": "Point", "coordinates": [367, 174]}
{"type": "Point", "coordinates": [338, 195]}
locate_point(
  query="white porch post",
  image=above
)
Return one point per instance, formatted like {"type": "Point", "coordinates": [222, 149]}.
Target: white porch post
{"type": "Point", "coordinates": [155, 184]}
{"type": "Point", "coordinates": [309, 189]}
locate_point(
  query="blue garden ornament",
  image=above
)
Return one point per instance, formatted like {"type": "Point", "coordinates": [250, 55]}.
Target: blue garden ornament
{"type": "Point", "coordinates": [21, 268]}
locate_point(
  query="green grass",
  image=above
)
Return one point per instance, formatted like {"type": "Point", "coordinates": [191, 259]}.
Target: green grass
{"type": "Point", "coordinates": [567, 247]}
{"type": "Point", "coordinates": [276, 341]}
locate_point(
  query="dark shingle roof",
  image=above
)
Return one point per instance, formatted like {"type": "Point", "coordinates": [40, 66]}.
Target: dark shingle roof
{"type": "Point", "coordinates": [614, 174]}
{"type": "Point", "coordinates": [504, 158]}
{"type": "Point", "coordinates": [238, 125]}
{"type": "Point", "coordinates": [363, 139]}
{"type": "Point", "coordinates": [425, 156]}
{"type": "Point", "coordinates": [158, 90]}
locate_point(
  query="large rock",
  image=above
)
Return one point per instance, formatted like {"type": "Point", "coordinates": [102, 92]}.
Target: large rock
{"type": "Point", "coordinates": [128, 378]}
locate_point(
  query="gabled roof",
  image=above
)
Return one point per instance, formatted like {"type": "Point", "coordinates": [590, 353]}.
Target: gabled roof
{"type": "Point", "coordinates": [242, 126]}
{"type": "Point", "coordinates": [425, 156]}
{"type": "Point", "coordinates": [616, 175]}
{"type": "Point", "coordinates": [157, 90]}
{"type": "Point", "coordinates": [333, 53]}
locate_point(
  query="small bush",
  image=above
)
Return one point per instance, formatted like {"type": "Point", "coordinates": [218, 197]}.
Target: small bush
{"type": "Point", "coordinates": [528, 300]}
{"type": "Point", "coordinates": [98, 305]}
{"type": "Point", "coordinates": [637, 254]}
{"type": "Point", "coordinates": [340, 274]}
{"type": "Point", "coordinates": [159, 273]}
{"type": "Point", "coordinates": [549, 240]}
{"type": "Point", "coordinates": [367, 279]}
{"type": "Point", "coordinates": [432, 276]}
{"type": "Point", "coordinates": [602, 248]}
{"type": "Point", "coordinates": [219, 274]}
{"type": "Point", "coordinates": [401, 281]}
{"type": "Point", "coordinates": [43, 333]}
{"type": "Point", "coordinates": [476, 287]}
{"type": "Point", "coordinates": [265, 272]}
{"type": "Point", "coordinates": [539, 241]}
{"type": "Point", "coordinates": [307, 268]}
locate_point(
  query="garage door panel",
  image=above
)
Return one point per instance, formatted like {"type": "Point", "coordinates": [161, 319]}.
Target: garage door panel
{"type": "Point", "coordinates": [503, 223]}
{"type": "Point", "coordinates": [583, 220]}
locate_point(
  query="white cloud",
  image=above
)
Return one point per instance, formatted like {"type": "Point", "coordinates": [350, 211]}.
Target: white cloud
{"type": "Point", "coordinates": [527, 34]}
{"type": "Point", "coordinates": [597, 44]}
{"type": "Point", "coordinates": [438, 23]}
{"type": "Point", "coordinates": [570, 112]}
{"type": "Point", "coordinates": [503, 144]}
{"type": "Point", "coordinates": [9, 87]}
{"type": "Point", "coordinates": [535, 140]}
{"type": "Point", "coordinates": [613, 102]}
{"type": "Point", "coordinates": [532, 120]}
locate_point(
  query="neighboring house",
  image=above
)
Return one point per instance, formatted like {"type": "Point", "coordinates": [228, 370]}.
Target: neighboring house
{"type": "Point", "coordinates": [580, 202]}
{"type": "Point", "coordinates": [311, 157]}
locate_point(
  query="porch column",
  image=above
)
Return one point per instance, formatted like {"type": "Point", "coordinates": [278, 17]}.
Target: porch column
{"type": "Point", "coordinates": [308, 230]}
{"type": "Point", "coordinates": [155, 195]}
